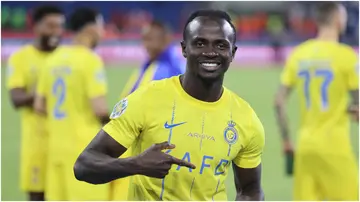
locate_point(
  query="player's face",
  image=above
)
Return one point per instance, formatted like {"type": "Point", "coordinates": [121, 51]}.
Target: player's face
{"type": "Point", "coordinates": [209, 48]}
{"type": "Point", "coordinates": [49, 31]}
{"type": "Point", "coordinates": [342, 18]}
{"type": "Point", "coordinates": [154, 40]}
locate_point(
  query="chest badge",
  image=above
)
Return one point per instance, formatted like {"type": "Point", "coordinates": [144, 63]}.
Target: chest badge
{"type": "Point", "coordinates": [230, 133]}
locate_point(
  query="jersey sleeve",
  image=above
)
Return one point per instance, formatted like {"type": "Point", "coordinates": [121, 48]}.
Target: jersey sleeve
{"type": "Point", "coordinates": [352, 70]}
{"type": "Point", "coordinates": [96, 82]}
{"type": "Point", "coordinates": [128, 118]}
{"type": "Point", "coordinates": [288, 75]}
{"type": "Point", "coordinates": [15, 72]}
{"type": "Point", "coordinates": [250, 156]}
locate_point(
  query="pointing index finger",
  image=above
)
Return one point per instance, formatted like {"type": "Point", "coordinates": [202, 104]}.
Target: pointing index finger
{"type": "Point", "coordinates": [182, 163]}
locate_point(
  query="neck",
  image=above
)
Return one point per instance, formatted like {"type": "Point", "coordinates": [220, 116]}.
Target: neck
{"type": "Point", "coordinates": [328, 34]}
{"type": "Point", "coordinates": [207, 91]}
{"type": "Point", "coordinates": [83, 40]}
{"type": "Point", "coordinates": [37, 45]}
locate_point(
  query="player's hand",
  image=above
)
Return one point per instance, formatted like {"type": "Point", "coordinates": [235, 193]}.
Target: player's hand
{"type": "Point", "coordinates": [288, 147]}
{"type": "Point", "coordinates": [353, 110]}
{"type": "Point", "coordinates": [155, 163]}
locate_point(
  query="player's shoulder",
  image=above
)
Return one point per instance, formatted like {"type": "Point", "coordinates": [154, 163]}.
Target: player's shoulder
{"type": "Point", "coordinates": [155, 88]}
{"type": "Point", "coordinates": [241, 108]}
{"type": "Point", "coordinates": [21, 52]}
{"type": "Point", "coordinates": [303, 47]}
{"type": "Point", "coordinates": [347, 50]}
{"type": "Point", "coordinates": [238, 103]}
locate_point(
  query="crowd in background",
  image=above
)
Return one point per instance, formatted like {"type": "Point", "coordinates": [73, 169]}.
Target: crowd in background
{"type": "Point", "coordinates": [286, 22]}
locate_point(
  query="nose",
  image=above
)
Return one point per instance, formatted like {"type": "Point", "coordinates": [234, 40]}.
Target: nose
{"type": "Point", "coordinates": [210, 54]}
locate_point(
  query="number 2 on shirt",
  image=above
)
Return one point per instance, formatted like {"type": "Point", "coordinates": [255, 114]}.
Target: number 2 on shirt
{"type": "Point", "coordinates": [327, 76]}
{"type": "Point", "coordinates": [59, 92]}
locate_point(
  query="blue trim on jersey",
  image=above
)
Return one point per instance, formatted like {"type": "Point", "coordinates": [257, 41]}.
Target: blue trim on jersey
{"type": "Point", "coordinates": [191, 187]}
{"type": "Point", "coordinates": [162, 188]}
{"type": "Point", "coordinates": [169, 141]}
{"type": "Point", "coordinates": [142, 72]}
{"type": "Point", "coordinates": [202, 130]}
{"type": "Point", "coordinates": [172, 122]}
{"type": "Point", "coordinates": [168, 64]}
{"type": "Point", "coordinates": [216, 190]}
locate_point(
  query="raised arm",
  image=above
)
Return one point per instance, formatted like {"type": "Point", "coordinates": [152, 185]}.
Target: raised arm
{"type": "Point", "coordinates": [99, 162]}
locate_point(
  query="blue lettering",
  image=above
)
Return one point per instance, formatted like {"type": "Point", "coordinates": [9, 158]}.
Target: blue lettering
{"type": "Point", "coordinates": [187, 158]}
{"type": "Point", "coordinates": [223, 161]}
{"type": "Point", "coordinates": [203, 165]}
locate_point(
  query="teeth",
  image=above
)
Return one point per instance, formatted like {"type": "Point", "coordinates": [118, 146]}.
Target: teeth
{"type": "Point", "coordinates": [209, 64]}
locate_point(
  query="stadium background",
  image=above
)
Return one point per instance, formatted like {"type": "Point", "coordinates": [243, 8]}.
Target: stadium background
{"type": "Point", "coordinates": [254, 75]}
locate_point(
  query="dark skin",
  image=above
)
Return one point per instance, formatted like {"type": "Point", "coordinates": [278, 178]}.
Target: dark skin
{"type": "Point", "coordinates": [208, 40]}
{"type": "Point", "coordinates": [48, 32]}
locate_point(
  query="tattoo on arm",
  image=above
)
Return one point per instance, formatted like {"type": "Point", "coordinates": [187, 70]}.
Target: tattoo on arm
{"type": "Point", "coordinates": [280, 111]}
{"type": "Point", "coordinates": [355, 97]}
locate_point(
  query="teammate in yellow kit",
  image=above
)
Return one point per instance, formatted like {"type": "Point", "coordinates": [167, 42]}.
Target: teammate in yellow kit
{"type": "Point", "coordinates": [324, 72]}
{"type": "Point", "coordinates": [22, 75]}
{"type": "Point", "coordinates": [210, 126]}
{"type": "Point", "coordinates": [72, 93]}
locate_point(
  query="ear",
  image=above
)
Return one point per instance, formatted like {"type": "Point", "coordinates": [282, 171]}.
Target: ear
{"type": "Point", "coordinates": [183, 48]}
{"type": "Point", "coordinates": [233, 52]}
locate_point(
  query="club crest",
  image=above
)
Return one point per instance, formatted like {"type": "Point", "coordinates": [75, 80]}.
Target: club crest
{"type": "Point", "coordinates": [230, 133]}
{"type": "Point", "coordinates": [119, 109]}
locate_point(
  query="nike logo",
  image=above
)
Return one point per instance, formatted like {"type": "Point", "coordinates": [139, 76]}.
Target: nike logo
{"type": "Point", "coordinates": [167, 126]}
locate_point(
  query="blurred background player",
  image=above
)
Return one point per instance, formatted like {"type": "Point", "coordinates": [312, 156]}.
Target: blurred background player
{"type": "Point", "coordinates": [72, 93]}
{"type": "Point", "coordinates": [163, 61]}
{"type": "Point", "coordinates": [22, 76]}
{"type": "Point", "coordinates": [324, 71]}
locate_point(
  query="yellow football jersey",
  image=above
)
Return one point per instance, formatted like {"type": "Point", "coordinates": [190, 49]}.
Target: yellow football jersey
{"type": "Point", "coordinates": [23, 70]}
{"type": "Point", "coordinates": [209, 135]}
{"type": "Point", "coordinates": [323, 72]}
{"type": "Point", "coordinates": [72, 77]}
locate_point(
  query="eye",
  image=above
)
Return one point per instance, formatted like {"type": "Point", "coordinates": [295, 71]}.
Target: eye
{"type": "Point", "coordinates": [221, 46]}
{"type": "Point", "coordinates": [199, 44]}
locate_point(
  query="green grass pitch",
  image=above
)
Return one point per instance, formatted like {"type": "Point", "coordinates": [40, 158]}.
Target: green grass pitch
{"type": "Point", "coordinates": [257, 86]}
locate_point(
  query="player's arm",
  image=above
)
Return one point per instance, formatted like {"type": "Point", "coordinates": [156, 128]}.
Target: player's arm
{"type": "Point", "coordinates": [352, 78]}
{"type": "Point", "coordinates": [100, 163]}
{"type": "Point", "coordinates": [16, 83]}
{"type": "Point", "coordinates": [288, 79]}
{"type": "Point", "coordinates": [247, 165]}
{"type": "Point", "coordinates": [96, 88]}
{"type": "Point", "coordinates": [40, 95]}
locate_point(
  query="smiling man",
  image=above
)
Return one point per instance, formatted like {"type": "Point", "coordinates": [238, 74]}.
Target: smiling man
{"type": "Point", "coordinates": [168, 163]}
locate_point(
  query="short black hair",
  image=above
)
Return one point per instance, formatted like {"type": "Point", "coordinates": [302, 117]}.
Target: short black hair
{"type": "Point", "coordinates": [40, 12]}
{"type": "Point", "coordinates": [211, 14]}
{"type": "Point", "coordinates": [81, 17]}
{"type": "Point", "coordinates": [324, 12]}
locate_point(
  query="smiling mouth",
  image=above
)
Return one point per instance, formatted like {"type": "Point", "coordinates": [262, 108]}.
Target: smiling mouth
{"type": "Point", "coordinates": [210, 66]}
